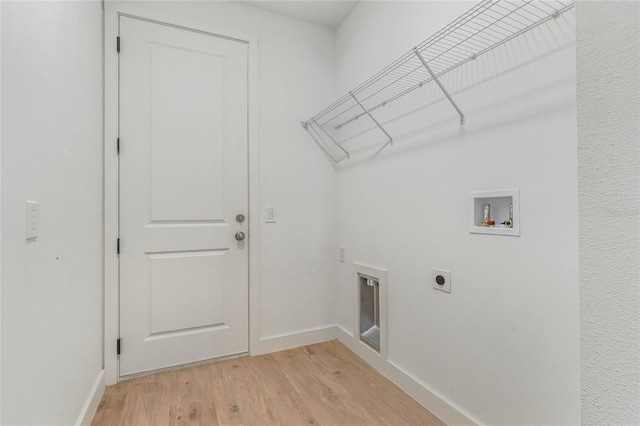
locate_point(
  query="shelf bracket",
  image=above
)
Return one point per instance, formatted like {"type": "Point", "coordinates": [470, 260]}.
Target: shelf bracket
{"type": "Point", "coordinates": [435, 78]}
{"type": "Point", "coordinates": [390, 142]}
{"type": "Point", "coordinates": [310, 129]}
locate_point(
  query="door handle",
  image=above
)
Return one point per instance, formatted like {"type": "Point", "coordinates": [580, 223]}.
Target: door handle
{"type": "Point", "coordinates": [240, 236]}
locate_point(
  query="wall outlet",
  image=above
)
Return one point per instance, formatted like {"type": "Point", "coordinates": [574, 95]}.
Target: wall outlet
{"type": "Point", "coordinates": [341, 254]}
{"type": "Point", "coordinates": [33, 219]}
{"type": "Point", "coordinates": [441, 280]}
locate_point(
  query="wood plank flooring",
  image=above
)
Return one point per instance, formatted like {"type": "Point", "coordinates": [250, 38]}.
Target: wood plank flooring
{"type": "Point", "coordinates": [323, 384]}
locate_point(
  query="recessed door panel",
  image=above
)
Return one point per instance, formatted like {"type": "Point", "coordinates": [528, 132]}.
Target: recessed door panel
{"type": "Point", "coordinates": [187, 291]}
{"type": "Point", "coordinates": [187, 124]}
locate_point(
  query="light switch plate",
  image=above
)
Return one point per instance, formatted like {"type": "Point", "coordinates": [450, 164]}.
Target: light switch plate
{"type": "Point", "coordinates": [33, 219]}
{"type": "Point", "coordinates": [270, 214]}
{"type": "Point", "coordinates": [444, 282]}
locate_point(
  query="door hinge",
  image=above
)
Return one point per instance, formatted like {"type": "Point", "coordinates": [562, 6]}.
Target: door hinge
{"type": "Point", "coordinates": [118, 246]}
{"type": "Point", "coordinates": [118, 347]}
{"type": "Point", "coordinates": [118, 44]}
{"type": "Point", "coordinates": [118, 146]}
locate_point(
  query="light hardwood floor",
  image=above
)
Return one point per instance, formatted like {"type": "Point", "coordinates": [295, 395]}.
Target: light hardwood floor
{"type": "Point", "coordinates": [323, 384]}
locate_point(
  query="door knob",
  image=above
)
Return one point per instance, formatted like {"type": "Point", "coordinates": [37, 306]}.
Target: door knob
{"type": "Point", "coordinates": [240, 236]}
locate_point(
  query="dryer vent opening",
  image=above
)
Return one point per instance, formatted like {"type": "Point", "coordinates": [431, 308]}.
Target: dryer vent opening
{"type": "Point", "coordinates": [369, 311]}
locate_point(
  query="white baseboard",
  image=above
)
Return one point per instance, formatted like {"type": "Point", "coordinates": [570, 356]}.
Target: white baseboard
{"type": "Point", "coordinates": [92, 402]}
{"type": "Point", "coordinates": [295, 340]}
{"type": "Point", "coordinates": [445, 411]}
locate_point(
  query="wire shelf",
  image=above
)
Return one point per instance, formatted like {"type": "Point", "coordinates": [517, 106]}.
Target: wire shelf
{"type": "Point", "coordinates": [484, 27]}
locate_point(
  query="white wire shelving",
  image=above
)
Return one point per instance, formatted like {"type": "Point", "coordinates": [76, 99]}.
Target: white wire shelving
{"type": "Point", "coordinates": [484, 27]}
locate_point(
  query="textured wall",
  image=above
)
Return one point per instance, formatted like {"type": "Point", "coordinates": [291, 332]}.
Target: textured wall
{"type": "Point", "coordinates": [608, 159]}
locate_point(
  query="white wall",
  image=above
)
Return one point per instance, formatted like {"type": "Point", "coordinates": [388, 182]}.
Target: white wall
{"type": "Point", "coordinates": [0, 218]}
{"type": "Point", "coordinates": [608, 54]}
{"type": "Point", "coordinates": [51, 153]}
{"type": "Point", "coordinates": [295, 73]}
{"type": "Point", "coordinates": [503, 347]}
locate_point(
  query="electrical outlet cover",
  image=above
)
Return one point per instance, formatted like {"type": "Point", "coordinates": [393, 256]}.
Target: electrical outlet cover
{"type": "Point", "coordinates": [33, 219]}
{"type": "Point", "coordinates": [443, 283]}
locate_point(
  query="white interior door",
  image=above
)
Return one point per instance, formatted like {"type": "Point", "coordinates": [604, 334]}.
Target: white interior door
{"type": "Point", "coordinates": [183, 180]}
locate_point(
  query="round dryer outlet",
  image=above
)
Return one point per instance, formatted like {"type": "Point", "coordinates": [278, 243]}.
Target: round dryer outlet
{"type": "Point", "coordinates": [442, 280]}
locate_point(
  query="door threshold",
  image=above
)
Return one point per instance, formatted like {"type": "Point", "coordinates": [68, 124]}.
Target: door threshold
{"type": "Point", "coordinates": [181, 366]}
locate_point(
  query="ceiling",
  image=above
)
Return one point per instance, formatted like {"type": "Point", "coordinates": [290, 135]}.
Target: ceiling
{"type": "Point", "coordinates": [328, 13]}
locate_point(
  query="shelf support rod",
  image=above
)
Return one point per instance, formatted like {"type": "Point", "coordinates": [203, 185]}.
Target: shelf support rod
{"type": "Point", "coordinates": [435, 78]}
{"type": "Point", "coordinates": [374, 120]}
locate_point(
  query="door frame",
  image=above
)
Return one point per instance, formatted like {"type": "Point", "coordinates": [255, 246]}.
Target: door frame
{"type": "Point", "coordinates": [111, 311]}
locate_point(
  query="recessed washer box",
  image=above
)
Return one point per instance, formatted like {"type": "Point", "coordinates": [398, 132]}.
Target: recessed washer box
{"type": "Point", "coordinates": [506, 223]}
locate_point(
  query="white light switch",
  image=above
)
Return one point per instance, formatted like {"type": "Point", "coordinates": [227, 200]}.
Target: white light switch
{"type": "Point", "coordinates": [270, 214]}
{"type": "Point", "coordinates": [33, 219]}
